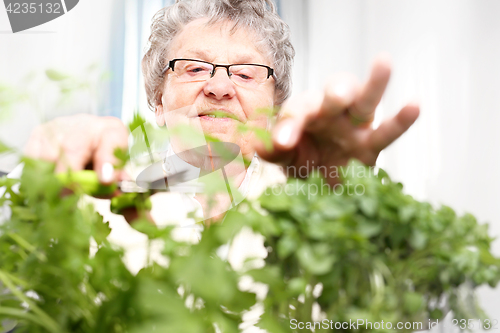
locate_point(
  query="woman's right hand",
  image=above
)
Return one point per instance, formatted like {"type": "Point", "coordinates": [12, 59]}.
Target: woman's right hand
{"type": "Point", "coordinates": [75, 142]}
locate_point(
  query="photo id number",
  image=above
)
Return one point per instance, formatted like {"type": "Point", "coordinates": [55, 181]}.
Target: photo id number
{"type": "Point", "coordinates": [32, 8]}
{"type": "Point", "coordinates": [471, 324]}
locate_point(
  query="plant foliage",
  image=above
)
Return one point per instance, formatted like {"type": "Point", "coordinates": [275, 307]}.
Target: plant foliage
{"type": "Point", "coordinates": [379, 255]}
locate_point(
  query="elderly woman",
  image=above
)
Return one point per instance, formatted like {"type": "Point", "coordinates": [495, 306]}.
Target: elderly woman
{"type": "Point", "coordinates": [212, 64]}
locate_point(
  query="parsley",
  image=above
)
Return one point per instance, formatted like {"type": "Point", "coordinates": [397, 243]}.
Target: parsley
{"type": "Point", "coordinates": [377, 256]}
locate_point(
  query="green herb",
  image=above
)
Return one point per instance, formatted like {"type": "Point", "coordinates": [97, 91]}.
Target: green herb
{"type": "Point", "coordinates": [377, 256]}
{"type": "Point", "coordinates": [85, 181]}
{"type": "Point", "coordinates": [56, 75]}
{"type": "Point", "coordinates": [130, 200]}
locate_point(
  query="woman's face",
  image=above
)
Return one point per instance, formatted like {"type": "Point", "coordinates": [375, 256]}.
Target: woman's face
{"type": "Point", "coordinates": [217, 44]}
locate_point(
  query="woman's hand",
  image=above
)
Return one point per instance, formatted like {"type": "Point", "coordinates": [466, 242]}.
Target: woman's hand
{"type": "Point", "coordinates": [327, 129]}
{"type": "Point", "coordinates": [78, 141]}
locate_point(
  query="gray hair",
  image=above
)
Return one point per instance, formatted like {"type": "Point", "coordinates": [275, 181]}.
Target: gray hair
{"type": "Point", "coordinates": [259, 15]}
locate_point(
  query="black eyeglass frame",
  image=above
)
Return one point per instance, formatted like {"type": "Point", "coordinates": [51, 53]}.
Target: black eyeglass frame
{"type": "Point", "coordinates": [171, 65]}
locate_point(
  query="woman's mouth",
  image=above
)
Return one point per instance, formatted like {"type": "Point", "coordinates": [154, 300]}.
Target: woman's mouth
{"type": "Point", "coordinates": [212, 118]}
{"type": "Point", "coordinates": [217, 116]}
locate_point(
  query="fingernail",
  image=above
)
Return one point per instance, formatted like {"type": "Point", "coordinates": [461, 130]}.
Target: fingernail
{"type": "Point", "coordinates": [284, 134]}
{"type": "Point", "coordinates": [343, 91]}
{"type": "Point", "coordinates": [107, 172]}
{"type": "Point", "coordinates": [385, 57]}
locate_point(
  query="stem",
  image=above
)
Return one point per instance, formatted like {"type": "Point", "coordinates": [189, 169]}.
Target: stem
{"type": "Point", "coordinates": [27, 246]}
{"type": "Point", "coordinates": [46, 321]}
{"type": "Point", "coordinates": [15, 279]}
{"type": "Point", "coordinates": [20, 314]}
{"type": "Point", "coordinates": [304, 311]}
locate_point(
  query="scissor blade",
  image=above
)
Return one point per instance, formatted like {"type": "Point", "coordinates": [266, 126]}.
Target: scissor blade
{"type": "Point", "coordinates": [176, 180]}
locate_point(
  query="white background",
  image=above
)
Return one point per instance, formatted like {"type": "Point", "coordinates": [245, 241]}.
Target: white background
{"type": "Point", "coordinates": [446, 55]}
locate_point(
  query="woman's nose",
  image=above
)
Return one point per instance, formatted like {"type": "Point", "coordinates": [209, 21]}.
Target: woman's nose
{"type": "Point", "coordinates": [220, 85]}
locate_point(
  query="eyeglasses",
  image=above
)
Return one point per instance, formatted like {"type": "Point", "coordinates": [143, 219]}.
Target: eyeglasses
{"type": "Point", "coordinates": [244, 75]}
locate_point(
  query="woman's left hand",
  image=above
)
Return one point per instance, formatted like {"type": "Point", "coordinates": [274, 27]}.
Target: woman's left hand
{"type": "Point", "coordinates": [327, 129]}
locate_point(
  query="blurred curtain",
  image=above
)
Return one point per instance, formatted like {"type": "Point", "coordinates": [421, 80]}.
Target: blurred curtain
{"type": "Point", "coordinates": [138, 16]}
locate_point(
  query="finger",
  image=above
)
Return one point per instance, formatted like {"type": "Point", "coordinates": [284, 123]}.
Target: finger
{"type": "Point", "coordinates": [278, 156]}
{"type": "Point", "coordinates": [288, 131]}
{"type": "Point", "coordinates": [294, 115]}
{"type": "Point", "coordinates": [309, 111]}
{"type": "Point", "coordinates": [340, 92]}
{"type": "Point", "coordinates": [393, 128]}
{"type": "Point", "coordinates": [40, 147]}
{"type": "Point", "coordinates": [123, 175]}
{"type": "Point", "coordinates": [75, 151]}
{"type": "Point", "coordinates": [113, 134]}
{"type": "Point", "coordinates": [70, 161]}
{"type": "Point", "coordinates": [46, 142]}
{"type": "Point", "coordinates": [371, 93]}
